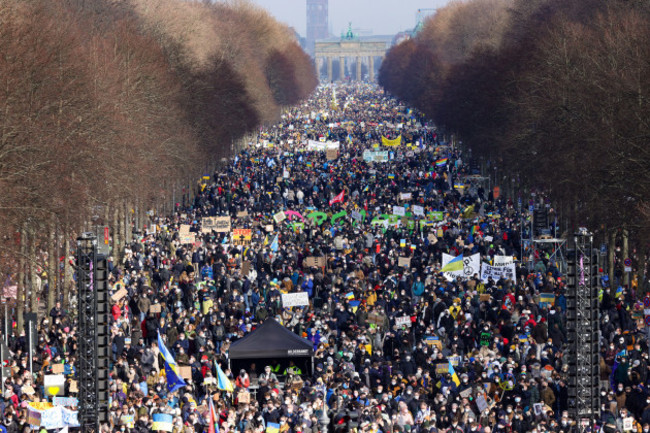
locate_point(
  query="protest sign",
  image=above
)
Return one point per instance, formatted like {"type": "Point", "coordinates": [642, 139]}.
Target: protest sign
{"type": "Point", "coordinates": [279, 217]}
{"type": "Point", "coordinates": [155, 308]}
{"type": "Point", "coordinates": [241, 236]}
{"type": "Point", "coordinates": [299, 299]}
{"type": "Point", "coordinates": [184, 229]}
{"type": "Point", "coordinates": [242, 214]}
{"type": "Point", "coordinates": [404, 262]}
{"type": "Point", "coordinates": [503, 260]}
{"type": "Point", "coordinates": [418, 210]}
{"type": "Point", "coordinates": [399, 210]}
{"type": "Point", "coordinates": [218, 224]}
{"type": "Point", "coordinates": [496, 272]}
{"type": "Point", "coordinates": [332, 154]}
{"type": "Point", "coordinates": [187, 238]}
{"type": "Point", "coordinates": [403, 321]}
{"type": "Point", "coordinates": [119, 294]}
{"type": "Point", "coordinates": [405, 195]}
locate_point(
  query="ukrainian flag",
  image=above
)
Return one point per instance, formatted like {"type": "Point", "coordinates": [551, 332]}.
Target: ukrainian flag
{"type": "Point", "coordinates": [174, 380]}
{"type": "Point", "coordinates": [223, 383]}
{"type": "Point", "coordinates": [453, 374]}
{"type": "Point", "coordinates": [162, 422]}
{"type": "Point", "coordinates": [455, 264]}
{"type": "Point", "coordinates": [274, 244]}
{"type": "Point", "coordinates": [272, 427]}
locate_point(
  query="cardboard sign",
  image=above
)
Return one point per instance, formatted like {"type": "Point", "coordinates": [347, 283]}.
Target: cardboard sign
{"type": "Point", "coordinates": [185, 372]}
{"type": "Point", "coordinates": [299, 299]}
{"type": "Point", "coordinates": [332, 154]}
{"type": "Point", "coordinates": [404, 262]}
{"type": "Point", "coordinates": [74, 386]}
{"type": "Point", "coordinates": [242, 214]}
{"type": "Point", "coordinates": [184, 229]}
{"type": "Point", "coordinates": [403, 321]}
{"type": "Point", "coordinates": [466, 393]}
{"type": "Point", "coordinates": [405, 196]}
{"type": "Point", "coordinates": [279, 179]}
{"type": "Point", "coordinates": [58, 368]}
{"type": "Point", "coordinates": [187, 238]}
{"type": "Point", "coordinates": [119, 294]}
{"type": "Point", "coordinates": [155, 308]}
{"type": "Point", "coordinates": [485, 297]}
{"type": "Point", "coordinates": [314, 262]}
{"type": "Point", "coordinates": [246, 268]}
{"type": "Point", "coordinates": [244, 397]}
{"type": "Point", "coordinates": [242, 236]}
{"type": "Point", "coordinates": [218, 224]}
{"type": "Point", "coordinates": [375, 319]}
{"type": "Point", "coordinates": [269, 228]}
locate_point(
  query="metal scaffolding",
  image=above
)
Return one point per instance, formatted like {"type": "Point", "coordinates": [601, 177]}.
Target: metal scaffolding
{"type": "Point", "coordinates": [583, 329]}
{"type": "Point", "coordinates": [92, 367]}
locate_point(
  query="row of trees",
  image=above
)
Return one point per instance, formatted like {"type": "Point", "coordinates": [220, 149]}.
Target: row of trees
{"type": "Point", "coordinates": [112, 109]}
{"type": "Point", "coordinates": [554, 93]}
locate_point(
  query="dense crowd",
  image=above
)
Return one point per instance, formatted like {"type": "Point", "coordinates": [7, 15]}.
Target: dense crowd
{"type": "Point", "coordinates": [474, 355]}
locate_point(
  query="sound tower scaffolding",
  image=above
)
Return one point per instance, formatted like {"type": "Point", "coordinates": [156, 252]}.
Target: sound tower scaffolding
{"type": "Point", "coordinates": [583, 329]}
{"type": "Point", "coordinates": [92, 369]}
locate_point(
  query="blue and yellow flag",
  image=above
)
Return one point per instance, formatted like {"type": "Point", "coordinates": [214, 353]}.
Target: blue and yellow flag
{"type": "Point", "coordinates": [274, 244]}
{"type": "Point", "coordinates": [223, 383]}
{"type": "Point", "coordinates": [174, 379]}
{"type": "Point", "coordinates": [455, 264]}
{"type": "Point", "coordinates": [453, 374]}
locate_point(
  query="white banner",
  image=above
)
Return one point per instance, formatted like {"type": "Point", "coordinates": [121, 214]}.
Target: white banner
{"type": "Point", "coordinates": [496, 272]}
{"type": "Point", "coordinates": [503, 260]}
{"type": "Point", "coordinates": [295, 299]}
{"type": "Point", "coordinates": [322, 146]}
{"type": "Point", "coordinates": [471, 266]}
{"type": "Point", "coordinates": [418, 210]}
{"type": "Point", "coordinates": [399, 210]}
{"type": "Point", "coordinates": [403, 321]}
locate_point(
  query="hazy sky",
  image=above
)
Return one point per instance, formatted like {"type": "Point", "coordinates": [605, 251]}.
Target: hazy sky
{"type": "Point", "coordinates": [382, 17]}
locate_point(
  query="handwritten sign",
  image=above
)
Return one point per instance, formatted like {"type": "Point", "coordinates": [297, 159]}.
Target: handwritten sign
{"type": "Point", "coordinates": [404, 262]}
{"type": "Point", "coordinates": [399, 210]}
{"type": "Point", "coordinates": [299, 299]}
{"type": "Point", "coordinates": [403, 321]}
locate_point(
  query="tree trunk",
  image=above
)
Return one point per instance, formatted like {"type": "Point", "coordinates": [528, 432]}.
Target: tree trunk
{"type": "Point", "coordinates": [20, 302]}
{"type": "Point", "coordinates": [51, 267]}
{"type": "Point", "coordinates": [67, 270]}
{"type": "Point", "coordinates": [626, 254]}
{"type": "Point", "coordinates": [611, 257]}
{"type": "Point", "coordinates": [34, 278]}
{"type": "Point", "coordinates": [115, 230]}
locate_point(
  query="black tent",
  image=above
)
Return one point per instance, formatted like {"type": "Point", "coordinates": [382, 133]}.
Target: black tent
{"type": "Point", "coordinates": [271, 342]}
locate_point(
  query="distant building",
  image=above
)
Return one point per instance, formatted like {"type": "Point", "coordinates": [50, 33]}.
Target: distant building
{"type": "Point", "coordinates": [317, 22]}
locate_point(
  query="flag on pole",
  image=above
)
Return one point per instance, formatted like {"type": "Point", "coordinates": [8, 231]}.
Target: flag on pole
{"type": "Point", "coordinates": [223, 383]}
{"type": "Point", "coordinates": [338, 198]}
{"type": "Point", "coordinates": [453, 374]}
{"type": "Point", "coordinates": [214, 424]}
{"type": "Point", "coordinates": [274, 244]}
{"type": "Point", "coordinates": [441, 162]}
{"type": "Point", "coordinates": [174, 379]}
{"type": "Point", "coordinates": [456, 264]}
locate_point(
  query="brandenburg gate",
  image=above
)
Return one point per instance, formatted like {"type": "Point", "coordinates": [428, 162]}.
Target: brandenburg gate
{"type": "Point", "coordinates": [349, 47]}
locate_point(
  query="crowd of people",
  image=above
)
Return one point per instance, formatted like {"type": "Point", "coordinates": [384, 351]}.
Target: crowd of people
{"type": "Point", "coordinates": [400, 344]}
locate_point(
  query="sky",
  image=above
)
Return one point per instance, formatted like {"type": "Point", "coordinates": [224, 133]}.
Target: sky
{"type": "Point", "coordinates": [381, 17]}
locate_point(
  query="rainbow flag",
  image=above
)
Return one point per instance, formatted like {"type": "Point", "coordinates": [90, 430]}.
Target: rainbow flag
{"type": "Point", "coordinates": [442, 162]}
